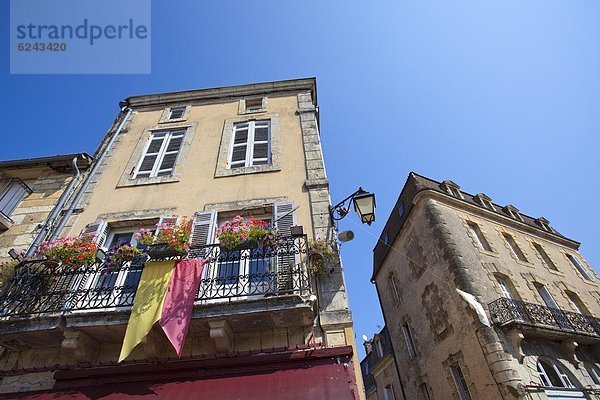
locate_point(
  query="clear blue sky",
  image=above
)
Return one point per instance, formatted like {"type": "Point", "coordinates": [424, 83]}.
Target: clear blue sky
{"type": "Point", "coordinates": [501, 97]}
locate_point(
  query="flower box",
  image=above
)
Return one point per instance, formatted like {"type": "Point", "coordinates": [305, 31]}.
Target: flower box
{"type": "Point", "coordinates": [248, 244]}
{"type": "Point", "coordinates": [164, 250]}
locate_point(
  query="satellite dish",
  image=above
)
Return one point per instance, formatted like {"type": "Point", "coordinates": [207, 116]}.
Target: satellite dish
{"type": "Point", "coordinates": [365, 338]}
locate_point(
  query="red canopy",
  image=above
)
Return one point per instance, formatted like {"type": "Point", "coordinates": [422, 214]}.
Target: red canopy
{"type": "Point", "coordinates": [315, 374]}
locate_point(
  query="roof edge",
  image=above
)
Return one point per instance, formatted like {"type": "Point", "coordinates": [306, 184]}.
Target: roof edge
{"type": "Point", "coordinates": [225, 92]}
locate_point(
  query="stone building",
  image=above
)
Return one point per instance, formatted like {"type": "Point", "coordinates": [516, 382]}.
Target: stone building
{"type": "Point", "coordinates": [29, 191]}
{"type": "Point", "coordinates": [484, 302]}
{"type": "Point", "coordinates": [262, 325]}
{"type": "Point", "coordinates": [378, 368]}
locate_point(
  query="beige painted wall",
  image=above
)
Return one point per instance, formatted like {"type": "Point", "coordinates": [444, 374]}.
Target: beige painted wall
{"type": "Point", "coordinates": [198, 186]}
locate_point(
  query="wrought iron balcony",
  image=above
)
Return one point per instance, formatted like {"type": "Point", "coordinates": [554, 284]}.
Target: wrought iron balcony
{"type": "Point", "coordinates": [508, 311]}
{"type": "Point", "coordinates": [38, 287]}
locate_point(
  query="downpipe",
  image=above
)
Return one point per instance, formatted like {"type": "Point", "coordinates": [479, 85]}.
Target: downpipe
{"type": "Point", "coordinates": [125, 109]}
{"type": "Point", "coordinates": [48, 224]}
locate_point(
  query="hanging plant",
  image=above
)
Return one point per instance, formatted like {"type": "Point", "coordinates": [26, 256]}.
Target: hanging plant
{"type": "Point", "coordinates": [323, 257]}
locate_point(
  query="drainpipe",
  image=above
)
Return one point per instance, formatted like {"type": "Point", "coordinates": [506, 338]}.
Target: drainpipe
{"type": "Point", "coordinates": [47, 226]}
{"type": "Point", "coordinates": [124, 109]}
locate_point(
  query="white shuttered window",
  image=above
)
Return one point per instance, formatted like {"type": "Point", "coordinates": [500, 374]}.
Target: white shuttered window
{"type": "Point", "coordinates": [251, 144]}
{"type": "Point", "coordinates": [160, 154]}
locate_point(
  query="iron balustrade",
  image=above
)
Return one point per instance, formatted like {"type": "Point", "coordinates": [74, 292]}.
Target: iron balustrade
{"type": "Point", "coordinates": [41, 287]}
{"type": "Point", "coordinates": [506, 311]}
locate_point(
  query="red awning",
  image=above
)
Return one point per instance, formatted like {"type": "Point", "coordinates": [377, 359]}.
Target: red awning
{"type": "Point", "coordinates": [311, 376]}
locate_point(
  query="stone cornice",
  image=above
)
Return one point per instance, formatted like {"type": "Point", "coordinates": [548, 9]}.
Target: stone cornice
{"type": "Point", "coordinates": [162, 99]}
{"type": "Point", "coordinates": [494, 216]}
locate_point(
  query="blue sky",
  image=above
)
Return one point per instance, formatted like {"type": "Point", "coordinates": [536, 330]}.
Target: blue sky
{"type": "Point", "coordinates": [501, 97]}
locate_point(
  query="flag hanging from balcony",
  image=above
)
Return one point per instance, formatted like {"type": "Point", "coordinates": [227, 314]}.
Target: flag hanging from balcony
{"type": "Point", "coordinates": [179, 301]}
{"type": "Point", "coordinates": [147, 305]}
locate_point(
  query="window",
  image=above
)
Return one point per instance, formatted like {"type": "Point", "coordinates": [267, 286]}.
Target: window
{"type": "Point", "coordinates": [461, 384]}
{"type": "Point", "coordinates": [253, 105]}
{"type": "Point", "coordinates": [394, 286]}
{"type": "Point", "coordinates": [400, 210]}
{"type": "Point", "coordinates": [485, 201]}
{"type": "Point", "coordinates": [425, 392]}
{"type": "Point", "coordinates": [388, 393]}
{"type": "Point", "coordinates": [594, 373]}
{"type": "Point", "coordinates": [250, 271]}
{"type": "Point", "coordinates": [176, 113]}
{"type": "Point", "coordinates": [514, 248]}
{"type": "Point", "coordinates": [576, 303]}
{"type": "Point", "coordinates": [410, 345]}
{"type": "Point", "coordinates": [504, 288]}
{"type": "Point", "coordinates": [546, 296]}
{"type": "Point", "coordinates": [12, 191]}
{"type": "Point", "coordinates": [478, 236]}
{"type": "Point", "coordinates": [385, 238]}
{"type": "Point", "coordinates": [250, 144]}
{"type": "Point", "coordinates": [545, 257]}
{"type": "Point", "coordinates": [367, 368]}
{"type": "Point", "coordinates": [379, 347]}
{"type": "Point", "coordinates": [513, 212]}
{"type": "Point", "coordinates": [553, 375]}
{"type": "Point", "coordinates": [160, 154]}
{"type": "Point", "coordinates": [454, 192]}
{"type": "Point", "coordinates": [579, 267]}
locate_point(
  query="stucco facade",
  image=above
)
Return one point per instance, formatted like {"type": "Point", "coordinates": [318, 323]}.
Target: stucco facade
{"type": "Point", "coordinates": [202, 182]}
{"type": "Point", "coordinates": [491, 297]}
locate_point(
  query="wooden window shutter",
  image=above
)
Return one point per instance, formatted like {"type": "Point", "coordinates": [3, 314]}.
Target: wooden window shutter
{"type": "Point", "coordinates": [284, 217]}
{"type": "Point", "coordinates": [203, 232]}
{"type": "Point", "coordinates": [99, 230]}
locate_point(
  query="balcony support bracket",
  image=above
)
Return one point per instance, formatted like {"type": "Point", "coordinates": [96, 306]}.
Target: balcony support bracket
{"type": "Point", "coordinates": [515, 338]}
{"type": "Point", "coordinates": [80, 345]}
{"type": "Point", "coordinates": [154, 344]}
{"type": "Point", "coordinates": [571, 346]}
{"type": "Point", "coordinates": [221, 333]}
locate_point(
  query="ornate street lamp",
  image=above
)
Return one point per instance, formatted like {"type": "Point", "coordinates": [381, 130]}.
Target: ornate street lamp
{"type": "Point", "coordinates": [364, 205]}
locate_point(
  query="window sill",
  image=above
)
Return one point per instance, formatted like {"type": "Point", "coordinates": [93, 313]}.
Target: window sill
{"type": "Point", "coordinates": [5, 222]}
{"type": "Point", "coordinates": [552, 271]}
{"type": "Point", "coordinates": [487, 253]}
{"type": "Point", "coordinates": [148, 181]}
{"type": "Point", "coordinates": [172, 121]}
{"type": "Point", "coordinates": [247, 170]}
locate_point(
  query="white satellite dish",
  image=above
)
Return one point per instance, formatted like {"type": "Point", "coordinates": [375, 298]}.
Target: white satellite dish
{"type": "Point", "coordinates": [365, 338]}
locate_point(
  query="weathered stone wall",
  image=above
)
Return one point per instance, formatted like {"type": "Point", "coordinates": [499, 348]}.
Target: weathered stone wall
{"type": "Point", "coordinates": [424, 267]}
{"type": "Point", "coordinates": [31, 213]}
{"type": "Point", "coordinates": [436, 254]}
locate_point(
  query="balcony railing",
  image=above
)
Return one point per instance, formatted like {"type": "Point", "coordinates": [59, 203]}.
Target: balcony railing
{"type": "Point", "coordinates": [506, 311]}
{"type": "Point", "coordinates": [38, 287]}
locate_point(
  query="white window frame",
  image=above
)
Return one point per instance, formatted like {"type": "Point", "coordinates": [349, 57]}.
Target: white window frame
{"type": "Point", "coordinates": [162, 152]}
{"type": "Point", "coordinates": [480, 238]}
{"type": "Point", "coordinates": [394, 285]}
{"type": "Point", "coordinates": [545, 379]}
{"type": "Point", "coordinates": [408, 340]}
{"type": "Point", "coordinates": [388, 393]}
{"type": "Point", "coordinates": [249, 160]}
{"type": "Point", "coordinates": [176, 108]}
{"type": "Point", "coordinates": [504, 288]}
{"type": "Point", "coordinates": [460, 382]}
{"type": "Point", "coordinates": [514, 247]}
{"type": "Point", "coordinates": [425, 391]}
{"type": "Point", "coordinates": [546, 296]}
{"type": "Point", "coordinates": [545, 256]}
{"type": "Point", "coordinates": [578, 264]}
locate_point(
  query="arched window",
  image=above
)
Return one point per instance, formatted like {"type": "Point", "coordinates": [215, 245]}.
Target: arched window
{"type": "Point", "coordinates": [553, 374]}
{"type": "Point", "coordinates": [594, 373]}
